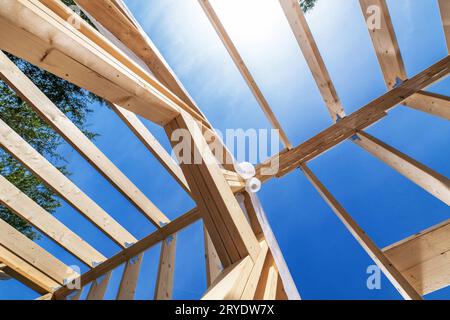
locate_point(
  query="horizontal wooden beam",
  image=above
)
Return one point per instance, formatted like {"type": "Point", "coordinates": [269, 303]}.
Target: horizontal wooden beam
{"type": "Point", "coordinates": [433, 182]}
{"type": "Point", "coordinates": [51, 43]}
{"type": "Point", "coordinates": [312, 55]}
{"type": "Point", "coordinates": [159, 235]}
{"type": "Point", "coordinates": [33, 254]}
{"type": "Point", "coordinates": [289, 160]}
{"type": "Point", "coordinates": [424, 258]}
{"type": "Point", "coordinates": [396, 278]}
{"type": "Point", "coordinates": [42, 168]}
{"type": "Point", "coordinates": [243, 69]}
{"type": "Point", "coordinates": [28, 91]}
{"type": "Point", "coordinates": [30, 211]}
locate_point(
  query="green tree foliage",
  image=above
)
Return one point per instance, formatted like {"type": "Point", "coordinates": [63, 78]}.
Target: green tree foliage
{"type": "Point", "coordinates": [307, 4]}
{"type": "Point", "coordinates": [70, 99]}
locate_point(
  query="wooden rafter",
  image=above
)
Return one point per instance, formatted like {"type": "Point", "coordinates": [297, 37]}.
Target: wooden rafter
{"type": "Point", "coordinates": [289, 160]}
{"type": "Point", "coordinates": [310, 51]}
{"type": "Point", "coordinates": [28, 91]}
{"type": "Point", "coordinates": [431, 181]}
{"type": "Point", "coordinates": [396, 278]}
{"type": "Point", "coordinates": [391, 62]}
{"type": "Point", "coordinates": [424, 258]}
{"type": "Point", "coordinates": [243, 69]}
{"type": "Point", "coordinates": [43, 169]}
{"type": "Point", "coordinates": [34, 214]}
{"type": "Point", "coordinates": [33, 254]}
{"type": "Point", "coordinates": [444, 6]}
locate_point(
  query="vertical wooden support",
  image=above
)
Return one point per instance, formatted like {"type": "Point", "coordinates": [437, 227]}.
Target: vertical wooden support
{"type": "Point", "coordinates": [229, 229]}
{"type": "Point", "coordinates": [255, 276]}
{"type": "Point", "coordinates": [127, 288]}
{"type": "Point", "coordinates": [166, 269]}
{"type": "Point", "coordinates": [431, 181]}
{"type": "Point", "coordinates": [396, 278]}
{"type": "Point", "coordinates": [240, 64]}
{"type": "Point", "coordinates": [98, 287]}
{"type": "Point", "coordinates": [213, 265]}
{"type": "Point", "coordinates": [310, 51]}
{"type": "Point", "coordinates": [444, 6]}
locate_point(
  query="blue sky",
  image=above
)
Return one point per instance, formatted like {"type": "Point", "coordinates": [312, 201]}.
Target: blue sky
{"type": "Point", "coordinates": [324, 259]}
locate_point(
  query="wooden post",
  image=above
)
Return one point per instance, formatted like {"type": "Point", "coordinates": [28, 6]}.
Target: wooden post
{"type": "Point", "coordinates": [166, 269]}
{"type": "Point", "coordinates": [396, 278]}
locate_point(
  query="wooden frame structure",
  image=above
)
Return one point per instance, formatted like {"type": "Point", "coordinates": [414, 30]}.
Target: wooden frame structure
{"type": "Point", "coordinates": [119, 63]}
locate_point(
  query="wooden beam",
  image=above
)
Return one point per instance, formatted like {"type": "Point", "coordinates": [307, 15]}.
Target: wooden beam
{"type": "Point", "coordinates": [289, 160]}
{"type": "Point", "coordinates": [127, 287]}
{"type": "Point", "coordinates": [166, 269]}
{"type": "Point", "coordinates": [274, 249]}
{"type": "Point", "coordinates": [114, 16]}
{"type": "Point", "coordinates": [227, 225]}
{"type": "Point", "coordinates": [231, 283]}
{"type": "Point", "coordinates": [152, 144]}
{"type": "Point", "coordinates": [396, 278]}
{"type": "Point", "coordinates": [28, 91]}
{"type": "Point", "coordinates": [444, 6]}
{"type": "Point", "coordinates": [48, 296]}
{"type": "Point", "coordinates": [43, 169]}
{"type": "Point", "coordinates": [424, 258]}
{"type": "Point", "coordinates": [432, 103]}
{"type": "Point", "coordinates": [252, 283]}
{"type": "Point", "coordinates": [30, 211]}
{"type": "Point", "coordinates": [271, 285]}
{"type": "Point", "coordinates": [98, 287]}
{"type": "Point", "coordinates": [137, 248]}
{"type": "Point", "coordinates": [3, 275]}
{"type": "Point", "coordinates": [245, 72]}
{"type": "Point", "coordinates": [20, 245]}
{"type": "Point", "coordinates": [26, 273]}
{"type": "Point", "coordinates": [310, 51]}
{"type": "Point", "coordinates": [391, 62]}
{"type": "Point", "coordinates": [431, 181]}
{"type": "Point", "coordinates": [213, 265]}
{"type": "Point", "coordinates": [49, 42]}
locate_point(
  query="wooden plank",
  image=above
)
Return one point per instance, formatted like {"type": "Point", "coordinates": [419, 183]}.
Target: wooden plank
{"type": "Point", "coordinates": [24, 272]}
{"type": "Point", "coordinates": [252, 283]}
{"type": "Point", "coordinates": [289, 160]}
{"type": "Point", "coordinates": [49, 42]}
{"type": "Point", "coordinates": [261, 287]}
{"type": "Point", "coordinates": [166, 269]}
{"type": "Point", "coordinates": [137, 248]}
{"type": "Point", "coordinates": [391, 62]}
{"type": "Point", "coordinates": [431, 181]}
{"type": "Point", "coordinates": [116, 18]}
{"type": "Point", "coordinates": [272, 284]}
{"type": "Point", "coordinates": [276, 253]}
{"type": "Point", "coordinates": [432, 103]}
{"type": "Point", "coordinates": [213, 265]}
{"type": "Point", "coordinates": [391, 272]}
{"type": "Point", "coordinates": [34, 214]}
{"type": "Point", "coordinates": [98, 287]}
{"type": "Point", "coordinates": [127, 287]}
{"type": "Point", "coordinates": [43, 169]}
{"type": "Point", "coordinates": [26, 89]}
{"type": "Point", "coordinates": [444, 6]}
{"type": "Point", "coordinates": [385, 43]}
{"type": "Point", "coordinates": [20, 245]}
{"type": "Point", "coordinates": [152, 144]}
{"type": "Point", "coordinates": [424, 259]}
{"type": "Point", "coordinates": [310, 51]}
{"type": "Point", "coordinates": [214, 197]}
{"type": "Point", "coordinates": [231, 283]}
{"type": "Point", "coordinates": [48, 296]}
{"type": "Point", "coordinates": [243, 69]}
